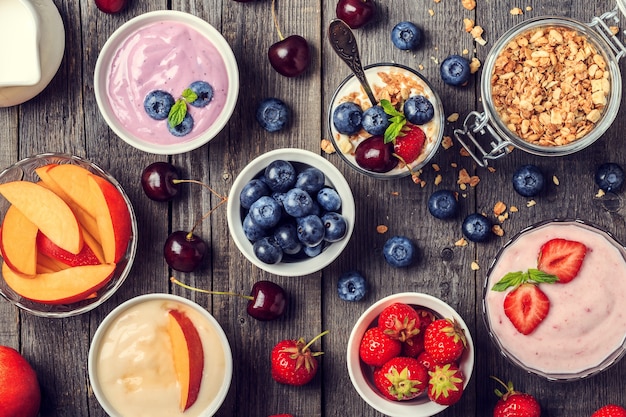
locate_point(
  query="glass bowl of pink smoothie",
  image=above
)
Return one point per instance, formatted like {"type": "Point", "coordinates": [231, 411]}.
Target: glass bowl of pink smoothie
{"type": "Point", "coordinates": [584, 332]}
{"type": "Point", "coordinates": [165, 51]}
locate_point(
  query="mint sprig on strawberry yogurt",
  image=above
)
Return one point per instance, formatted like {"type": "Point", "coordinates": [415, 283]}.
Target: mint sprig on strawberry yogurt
{"type": "Point", "coordinates": [515, 279]}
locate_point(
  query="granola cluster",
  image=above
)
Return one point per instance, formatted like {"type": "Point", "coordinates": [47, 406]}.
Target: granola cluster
{"type": "Point", "coordinates": [550, 86]}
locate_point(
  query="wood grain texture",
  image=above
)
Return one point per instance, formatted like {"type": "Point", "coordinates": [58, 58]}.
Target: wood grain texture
{"type": "Point", "coordinates": [65, 118]}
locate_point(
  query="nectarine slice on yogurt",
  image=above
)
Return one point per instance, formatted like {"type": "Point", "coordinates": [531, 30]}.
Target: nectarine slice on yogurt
{"type": "Point", "coordinates": [16, 241]}
{"type": "Point", "coordinates": [47, 211]}
{"type": "Point", "coordinates": [112, 216]}
{"type": "Point", "coordinates": [63, 287]}
{"type": "Point", "coordinates": [188, 356]}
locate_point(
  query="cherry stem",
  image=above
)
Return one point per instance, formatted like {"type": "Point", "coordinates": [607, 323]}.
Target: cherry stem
{"type": "Point", "coordinates": [280, 34]}
{"type": "Point", "coordinates": [190, 234]}
{"type": "Point", "coordinates": [189, 287]}
{"type": "Point", "coordinates": [199, 183]}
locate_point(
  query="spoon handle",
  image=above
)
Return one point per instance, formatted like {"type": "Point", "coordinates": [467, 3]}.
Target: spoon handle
{"type": "Point", "coordinates": [344, 43]}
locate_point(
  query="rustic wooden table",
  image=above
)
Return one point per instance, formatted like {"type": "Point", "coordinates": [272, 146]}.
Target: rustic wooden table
{"type": "Point", "coordinates": [65, 118]}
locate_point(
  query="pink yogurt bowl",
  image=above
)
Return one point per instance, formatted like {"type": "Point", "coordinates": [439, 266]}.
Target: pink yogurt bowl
{"type": "Point", "coordinates": [165, 50]}
{"type": "Point", "coordinates": [584, 332]}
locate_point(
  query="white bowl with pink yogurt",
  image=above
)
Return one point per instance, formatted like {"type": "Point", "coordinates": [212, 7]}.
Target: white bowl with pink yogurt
{"type": "Point", "coordinates": [165, 50]}
{"type": "Point", "coordinates": [584, 332]}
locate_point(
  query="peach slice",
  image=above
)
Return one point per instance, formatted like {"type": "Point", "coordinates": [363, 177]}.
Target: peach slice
{"type": "Point", "coordinates": [188, 356]}
{"type": "Point", "coordinates": [86, 220]}
{"type": "Point", "coordinates": [17, 241]}
{"type": "Point", "coordinates": [112, 216]}
{"type": "Point", "coordinates": [72, 179]}
{"type": "Point", "coordinates": [47, 211]}
{"type": "Point", "coordinates": [47, 264]}
{"type": "Point", "coordinates": [85, 257]}
{"type": "Point", "coordinates": [63, 287]}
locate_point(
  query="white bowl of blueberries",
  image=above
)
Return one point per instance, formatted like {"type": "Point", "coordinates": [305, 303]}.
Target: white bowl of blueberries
{"type": "Point", "coordinates": [290, 212]}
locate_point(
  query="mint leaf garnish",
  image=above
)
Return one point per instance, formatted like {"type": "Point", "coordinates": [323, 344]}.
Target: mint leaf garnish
{"type": "Point", "coordinates": [177, 113]}
{"type": "Point", "coordinates": [397, 121]}
{"type": "Point", "coordinates": [189, 95]}
{"type": "Point", "coordinates": [514, 279]}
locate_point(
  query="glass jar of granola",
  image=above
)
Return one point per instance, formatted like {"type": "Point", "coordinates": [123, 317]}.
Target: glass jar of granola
{"type": "Point", "coordinates": [551, 86]}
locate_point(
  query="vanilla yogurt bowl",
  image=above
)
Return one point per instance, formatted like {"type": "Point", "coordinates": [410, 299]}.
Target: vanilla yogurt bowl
{"type": "Point", "coordinates": [165, 50]}
{"type": "Point", "coordinates": [396, 83]}
{"type": "Point", "coordinates": [131, 368]}
{"type": "Point", "coordinates": [585, 329]}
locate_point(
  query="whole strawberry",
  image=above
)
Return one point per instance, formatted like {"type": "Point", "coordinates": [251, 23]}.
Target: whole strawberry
{"type": "Point", "coordinates": [515, 404]}
{"type": "Point", "coordinates": [426, 317]}
{"type": "Point", "coordinates": [293, 363]}
{"type": "Point", "coordinates": [610, 410]}
{"type": "Point", "coordinates": [445, 384]}
{"type": "Point", "coordinates": [376, 347]}
{"type": "Point", "coordinates": [399, 321]}
{"type": "Point", "coordinates": [445, 340]}
{"type": "Point", "coordinates": [401, 378]}
{"type": "Point", "coordinates": [409, 143]}
{"type": "Point", "coordinates": [413, 346]}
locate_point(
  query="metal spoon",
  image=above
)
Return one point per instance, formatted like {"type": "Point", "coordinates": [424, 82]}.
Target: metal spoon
{"type": "Point", "coordinates": [343, 42]}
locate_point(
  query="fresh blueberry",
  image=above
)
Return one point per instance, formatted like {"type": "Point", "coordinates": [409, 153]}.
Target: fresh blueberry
{"type": "Point", "coordinates": [375, 120]}
{"type": "Point", "coordinates": [310, 230]}
{"type": "Point", "coordinates": [328, 198]}
{"type": "Point", "coordinates": [286, 236]}
{"type": "Point", "coordinates": [280, 175]}
{"type": "Point", "coordinates": [310, 180]}
{"type": "Point", "coordinates": [297, 203]}
{"type": "Point", "coordinates": [476, 227]}
{"type": "Point", "coordinates": [252, 230]}
{"type": "Point", "coordinates": [406, 36]}
{"type": "Point", "coordinates": [252, 191]}
{"type": "Point", "coordinates": [273, 114]}
{"type": "Point", "coordinates": [267, 250]}
{"type": "Point", "coordinates": [280, 198]}
{"type": "Point", "coordinates": [348, 118]}
{"type": "Point", "coordinates": [158, 104]}
{"type": "Point", "coordinates": [313, 251]}
{"type": "Point", "coordinates": [443, 204]}
{"type": "Point", "coordinates": [266, 212]}
{"type": "Point", "coordinates": [183, 128]}
{"type": "Point", "coordinates": [528, 180]}
{"type": "Point", "coordinates": [455, 70]}
{"type": "Point", "coordinates": [418, 110]}
{"type": "Point", "coordinates": [335, 226]}
{"type": "Point", "coordinates": [399, 251]}
{"type": "Point", "coordinates": [204, 91]}
{"type": "Point", "coordinates": [351, 286]}
{"type": "Point", "coordinates": [316, 209]}
{"type": "Point", "coordinates": [609, 176]}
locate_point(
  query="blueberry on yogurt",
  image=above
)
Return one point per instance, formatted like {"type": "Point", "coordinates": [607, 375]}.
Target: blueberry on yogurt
{"type": "Point", "coordinates": [375, 120]}
{"type": "Point", "coordinates": [158, 104]}
{"type": "Point", "coordinates": [418, 110]}
{"type": "Point", "coordinates": [204, 93]}
{"type": "Point", "coordinates": [347, 118]}
{"type": "Point", "coordinates": [183, 128]}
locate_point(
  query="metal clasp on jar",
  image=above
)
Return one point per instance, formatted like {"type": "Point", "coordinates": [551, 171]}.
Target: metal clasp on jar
{"type": "Point", "coordinates": [478, 123]}
{"type": "Point", "coordinates": [599, 23]}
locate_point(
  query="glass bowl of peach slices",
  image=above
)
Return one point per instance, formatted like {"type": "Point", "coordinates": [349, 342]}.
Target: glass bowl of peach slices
{"type": "Point", "coordinates": [68, 235]}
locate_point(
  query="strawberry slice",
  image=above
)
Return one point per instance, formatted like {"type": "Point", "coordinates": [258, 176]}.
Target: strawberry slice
{"type": "Point", "coordinates": [526, 306]}
{"type": "Point", "coordinates": [409, 143]}
{"type": "Point", "coordinates": [562, 258]}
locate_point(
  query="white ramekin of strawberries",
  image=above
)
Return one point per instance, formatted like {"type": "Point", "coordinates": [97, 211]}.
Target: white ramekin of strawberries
{"type": "Point", "coordinates": [410, 354]}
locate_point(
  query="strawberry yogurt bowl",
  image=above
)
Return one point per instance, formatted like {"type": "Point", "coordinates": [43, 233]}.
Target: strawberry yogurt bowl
{"type": "Point", "coordinates": [553, 300]}
{"type": "Point", "coordinates": [166, 82]}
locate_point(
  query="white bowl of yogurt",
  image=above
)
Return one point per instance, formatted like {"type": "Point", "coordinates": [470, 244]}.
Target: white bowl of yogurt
{"type": "Point", "coordinates": [165, 51]}
{"type": "Point", "coordinates": [396, 83]}
{"type": "Point", "coordinates": [131, 366]}
{"type": "Point", "coordinates": [584, 331]}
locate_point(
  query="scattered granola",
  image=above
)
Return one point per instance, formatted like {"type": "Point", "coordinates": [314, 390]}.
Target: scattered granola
{"type": "Point", "coordinates": [446, 142]}
{"type": "Point", "coordinates": [497, 230]}
{"type": "Point", "coordinates": [474, 65]}
{"type": "Point", "coordinates": [516, 11]}
{"type": "Point", "coordinates": [550, 86]}
{"type": "Point", "coordinates": [499, 208]}
{"type": "Point", "coordinates": [468, 24]}
{"type": "Point", "coordinates": [464, 152]}
{"type": "Point", "coordinates": [453, 117]}
{"type": "Point", "coordinates": [327, 146]}
{"type": "Point", "coordinates": [531, 203]}
{"type": "Point", "coordinates": [431, 12]}
{"type": "Point", "coordinates": [466, 179]}
{"type": "Point", "coordinates": [436, 167]}
{"type": "Point", "coordinates": [469, 4]}
{"type": "Point", "coordinates": [461, 242]}
{"type": "Point", "coordinates": [381, 228]}
{"type": "Point", "coordinates": [513, 209]}
{"type": "Point", "coordinates": [438, 179]}
{"type": "Point", "coordinates": [555, 180]}
{"type": "Point", "coordinates": [600, 193]}
{"type": "Point", "coordinates": [475, 266]}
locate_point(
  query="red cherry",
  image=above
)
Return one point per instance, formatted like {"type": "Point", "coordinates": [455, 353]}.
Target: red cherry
{"type": "Point", "coordinates": [157, 181]}
{"type": "Point", "coordinates": [184, 251]}
{"type": "Point", "coordinates": [268, 301]}
{"type": "Point", "coordinates": [356, 13]}
{"type": "Point", "coordinates": [290, 57]}
{"type": "Point", "coordinates": [111, 6]}
{"type": "Point", "coordinates": [373, 154]}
